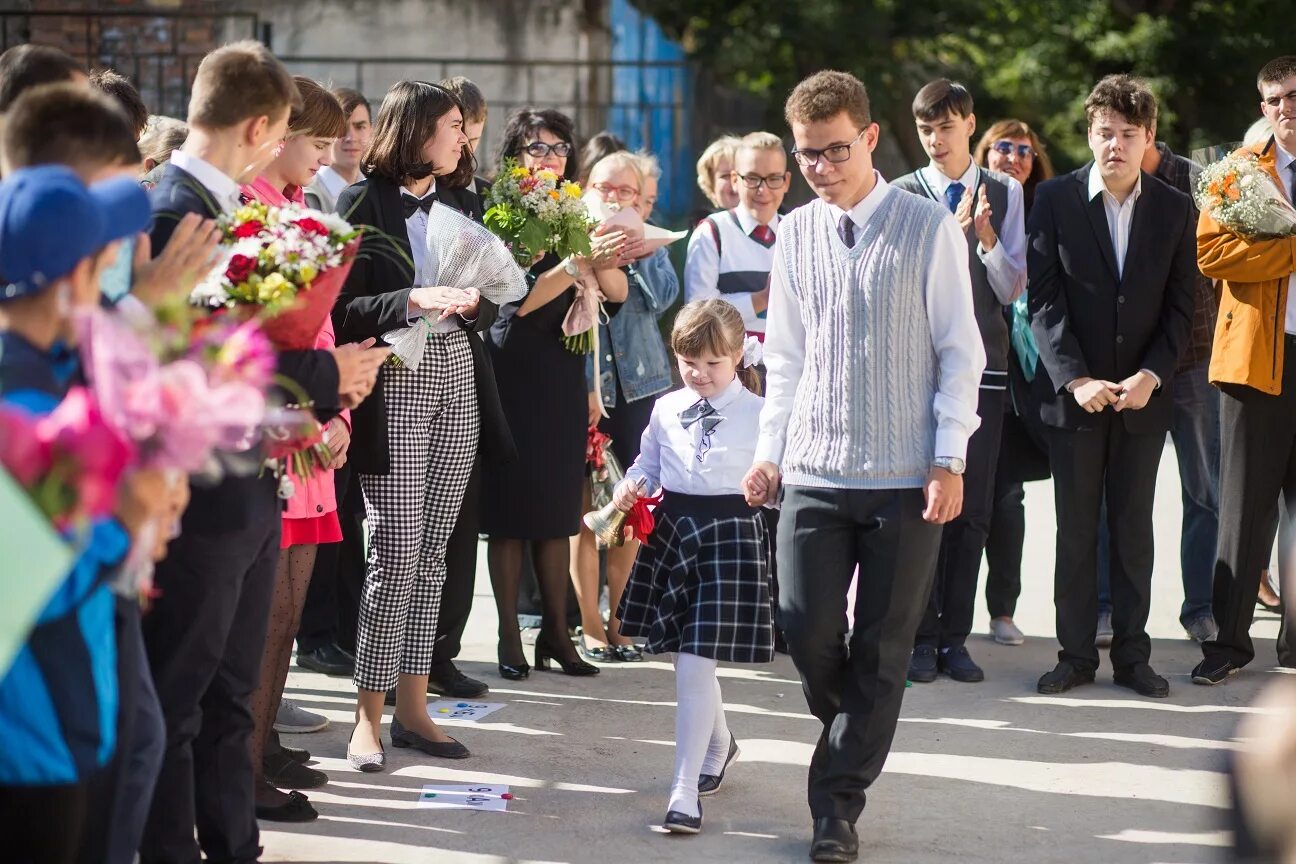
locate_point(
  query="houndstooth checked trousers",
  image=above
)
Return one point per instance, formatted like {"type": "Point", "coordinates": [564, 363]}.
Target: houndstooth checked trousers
{"type": "Point", "coordinates": [433, 425]}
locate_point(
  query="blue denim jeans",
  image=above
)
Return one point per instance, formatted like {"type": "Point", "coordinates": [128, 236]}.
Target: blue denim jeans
{"type": "Point", "coordinates": [1196, 435]}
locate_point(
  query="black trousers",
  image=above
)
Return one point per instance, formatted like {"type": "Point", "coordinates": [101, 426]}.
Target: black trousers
{"type": "Point", "coordinates": [854, 690]}
{"type": "Point", "coordinates": [1257, 464]}
{"type": "Point", "coordinates": [948, 619]}
{"type": "Point", "coordinates": [205, 637]}
{"type": "Point", "coordinates": [43, 824]}
{"type": "Point", "coordinates": [319, 620]}
{"type": "Point", "coordinates": [1125, 465]}
{"type": "Point", "coordinates": [461, 575]}
{"type": "Point", "coordinates": [121, 794]}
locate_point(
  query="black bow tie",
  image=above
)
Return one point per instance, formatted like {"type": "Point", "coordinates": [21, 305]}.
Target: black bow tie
{"type": "Point", "coordinates": [412, 204]}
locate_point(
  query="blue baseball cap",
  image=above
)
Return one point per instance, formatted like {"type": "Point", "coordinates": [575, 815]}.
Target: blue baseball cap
{"type": "Point", "coordinates": [50, 221]}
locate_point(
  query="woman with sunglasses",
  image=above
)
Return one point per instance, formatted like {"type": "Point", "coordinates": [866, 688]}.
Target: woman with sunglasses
{"type": "Point", "coordinates": [634, 368]}
{"type": "Point", "coordinates": [1011, 147]}
{"type": "Point", "coordinates": [533, 504]}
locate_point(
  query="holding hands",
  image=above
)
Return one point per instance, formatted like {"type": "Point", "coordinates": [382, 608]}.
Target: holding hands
{"type": "Point", "coordinates": [761, 485]}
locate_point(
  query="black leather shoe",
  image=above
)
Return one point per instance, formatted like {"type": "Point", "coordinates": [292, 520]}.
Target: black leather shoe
{"type": "Point", "coordinates": [296, 754]}
{"type": "Point", "coordinates": [1065, 675]}
{"type": "Point", "coordinates": [632, 654]}
{"type": "Point", "coordinates": [1142, 680]}
{"type": "Point", "coordinates": [283, 772]}
{"type": "Point", "coordinates": [402, 737]}
{"type": "Point", "coordinates": [328, 659]}
{"type": "Point", "coordinates": [449, 681]}
{"type": "Point", "coordinates": [958, 664]}
{"type": "Point", "coordinates": [296, 809]}
{"type": "Point", "coordinates": [1214, 671]}
{"type": "Point", "coordinates": [682, 823]}
{"type": "Point", "coordinates": [709, 784]}
{"type": "Point", "coordinates": [834, 840]}
{"type": "Point", "coordinates": [922, 665]}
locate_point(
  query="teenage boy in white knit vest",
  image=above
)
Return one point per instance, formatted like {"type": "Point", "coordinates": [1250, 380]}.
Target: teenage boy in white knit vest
{"type": "Point", "coordinates": [988, 207]}
{"type": "Point", "coordinates": [874, 359]}
{"type": "Point", "coordinates": [730, 252]}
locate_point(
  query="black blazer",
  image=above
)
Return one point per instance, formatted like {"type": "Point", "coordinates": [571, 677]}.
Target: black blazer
{"type": "Point", "coordinates": [374, 301]}
{"type": "Point", "coordinates": [224, 506]}
{"type": "Point", "coordinates": [1090, 322]}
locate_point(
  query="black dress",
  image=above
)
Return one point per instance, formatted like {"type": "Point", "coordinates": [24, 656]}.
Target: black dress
{"type": "Point", "coordinates": [542, 388]}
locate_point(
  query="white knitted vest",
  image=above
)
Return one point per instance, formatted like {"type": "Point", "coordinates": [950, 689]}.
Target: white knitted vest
{"type": "Point", "coordinates": [863, 416]}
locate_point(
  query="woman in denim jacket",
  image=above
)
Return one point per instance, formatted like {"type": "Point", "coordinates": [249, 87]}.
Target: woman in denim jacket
{"type": "Point", "coordinates": [634, 368]}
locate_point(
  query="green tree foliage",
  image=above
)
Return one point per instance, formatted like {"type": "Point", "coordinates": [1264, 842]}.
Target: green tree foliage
{"type": "Point", "coordinates": [1033, 59]}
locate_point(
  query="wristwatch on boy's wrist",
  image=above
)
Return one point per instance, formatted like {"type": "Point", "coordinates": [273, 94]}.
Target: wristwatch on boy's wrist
{"type": "Point", "coordinates": [952, 464]}
{"type": "Point", "coordinates": [570, 267]}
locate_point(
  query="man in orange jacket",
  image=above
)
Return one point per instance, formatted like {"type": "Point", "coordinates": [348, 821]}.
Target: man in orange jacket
{"type": "Point", "coordinates": [1255, 331]}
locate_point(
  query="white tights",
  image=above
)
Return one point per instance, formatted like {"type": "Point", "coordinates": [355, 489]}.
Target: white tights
{"type": "Point", "coordinates": [701, 734]}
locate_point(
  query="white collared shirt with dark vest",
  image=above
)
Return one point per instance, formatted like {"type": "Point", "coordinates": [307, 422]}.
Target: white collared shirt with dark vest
{"type": "Point", "coordinates": [725, 260]}
{"type": "Point", "coordinates": [998, 276]}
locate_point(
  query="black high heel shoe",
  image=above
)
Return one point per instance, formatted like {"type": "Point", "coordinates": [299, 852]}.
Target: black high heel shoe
{"type": "Point", "coordinates": [514, 672]}
{"type": "Point", "coordinates": [543, 654]}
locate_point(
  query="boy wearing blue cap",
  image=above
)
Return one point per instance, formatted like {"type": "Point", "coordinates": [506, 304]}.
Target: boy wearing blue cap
{"type": "Point", "coordinates": [58, 700]}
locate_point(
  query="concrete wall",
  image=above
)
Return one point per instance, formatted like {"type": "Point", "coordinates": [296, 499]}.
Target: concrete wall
{"type": "Point", "coordinates": [518, 51]}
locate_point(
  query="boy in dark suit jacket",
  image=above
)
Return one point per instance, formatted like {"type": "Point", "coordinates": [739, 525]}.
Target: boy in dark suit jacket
{"type": "Point", "coordinates": [206, 633]}
{"type": "Point", "coordinates": [1111, 291]}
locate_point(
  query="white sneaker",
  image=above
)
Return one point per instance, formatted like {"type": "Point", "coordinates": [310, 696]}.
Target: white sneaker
{"type": "Point", "coordinates": [1103, 638]}
{"type": "Point", "coordinates": [292, 718]}
{"type": "Point", "coordinates": [1005, 632]}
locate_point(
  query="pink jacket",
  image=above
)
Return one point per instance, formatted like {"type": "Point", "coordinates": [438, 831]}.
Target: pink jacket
{"type": "Point", "coordinates": [314, 496]}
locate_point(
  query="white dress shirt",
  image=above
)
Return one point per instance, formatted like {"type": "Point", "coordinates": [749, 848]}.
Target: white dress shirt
{"type": "Point", "coordinates": [1120, 215]}
{"type": "Point", "coordinates": [1284, 163]}
{"type": "Point", "coordinates": [672, 457]}
{"type": "Point", "coordinates": [1006, 263]}
{"type": "Point", "coordinates": [426, 265]}
{"type": "Point", "coordinates": [955, 339]}
{"type": "Point", "coordinates": [702, 265]}
{"type": "Point", "coordinates": [328, 185]}
{"type": "Point", "coordinates": [224, 191]}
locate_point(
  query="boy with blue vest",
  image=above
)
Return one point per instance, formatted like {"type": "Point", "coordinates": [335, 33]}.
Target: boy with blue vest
{"type": "Point", "coordinates": [989, 209]}
{"type": "Point", "coordinates": [58, 701]}
{"type": "Point", "coordinates": [874, 359]}
{"type": "Point", "coordinates": [730, 253]}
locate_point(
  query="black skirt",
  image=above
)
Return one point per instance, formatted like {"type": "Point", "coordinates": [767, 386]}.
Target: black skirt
{"type": "Point", "coordinates": [700, 585]}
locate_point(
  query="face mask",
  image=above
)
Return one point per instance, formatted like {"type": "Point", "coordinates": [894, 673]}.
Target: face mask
{"type": "Point", "coordinates": [115, 279]}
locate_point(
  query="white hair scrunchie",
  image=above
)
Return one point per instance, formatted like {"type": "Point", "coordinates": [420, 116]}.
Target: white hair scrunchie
{"type": "Point", "coordinates": [753, 352]}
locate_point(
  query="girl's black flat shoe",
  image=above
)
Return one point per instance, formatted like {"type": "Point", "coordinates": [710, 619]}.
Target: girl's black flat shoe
{"type": "Point", "coordinates": [628, 653]}
{"type": "Point", "coordinates": [402, 737]}
{"type": "Point", "coordinates": [514, 673]}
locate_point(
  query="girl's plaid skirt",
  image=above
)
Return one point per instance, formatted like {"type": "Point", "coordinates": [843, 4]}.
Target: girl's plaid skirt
{"type": "Point", "coordinates": [700, 585]}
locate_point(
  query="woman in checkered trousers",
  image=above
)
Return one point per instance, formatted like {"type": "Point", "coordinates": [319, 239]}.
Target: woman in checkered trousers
{"type": "Point", "coordinates": [426, 422]}
{"type": "Point", "coordinates": [700, 586]}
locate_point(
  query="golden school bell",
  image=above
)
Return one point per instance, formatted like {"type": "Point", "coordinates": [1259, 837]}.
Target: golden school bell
{"type": "Point", "coordinates": [608, 524]}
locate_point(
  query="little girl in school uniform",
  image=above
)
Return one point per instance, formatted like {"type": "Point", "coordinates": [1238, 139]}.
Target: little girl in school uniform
{"type": "Point", "coordinates": [700, 585]}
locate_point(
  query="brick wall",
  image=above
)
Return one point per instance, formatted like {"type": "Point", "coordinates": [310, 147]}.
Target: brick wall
{"type": "Point", "coordinates": [158, 52]}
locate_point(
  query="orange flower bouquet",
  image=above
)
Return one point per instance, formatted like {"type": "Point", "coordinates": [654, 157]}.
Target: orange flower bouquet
{"type": "Point", "coordinates": [1238, 194]}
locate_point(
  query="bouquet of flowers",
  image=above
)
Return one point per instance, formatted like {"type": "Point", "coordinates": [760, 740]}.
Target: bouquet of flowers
{"type": "Point", "coordinates": [288, 263]}
{"type": "Point", "coordinates": [198, 389]}
{"type": "Point", "coordinates": [459, 253]}
{"type": "Point", "coordinates": [69, 461]}
{"type": "Point", "coordinates": [537, 212]}
{"type": "Point", "coordinates": [1242, 197]}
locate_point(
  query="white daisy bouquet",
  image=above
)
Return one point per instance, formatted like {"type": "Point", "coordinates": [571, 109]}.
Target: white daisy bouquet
{"type": "Point", "coordinates": [537, 212]}
{"type": "Point", "coordinates": [290, 261]}
{"type": "Point", "coordinates": [1242, 197]}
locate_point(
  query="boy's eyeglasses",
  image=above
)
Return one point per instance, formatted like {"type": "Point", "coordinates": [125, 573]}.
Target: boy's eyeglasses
{"type": "Point", "coordinates": [755, 181]}
{"type": "Point", "coordinates": [1008, 148]}
{"type": "Point", "coordinates": [808, 158]}
{"type": "Point", "coordinates": [540, 149]}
